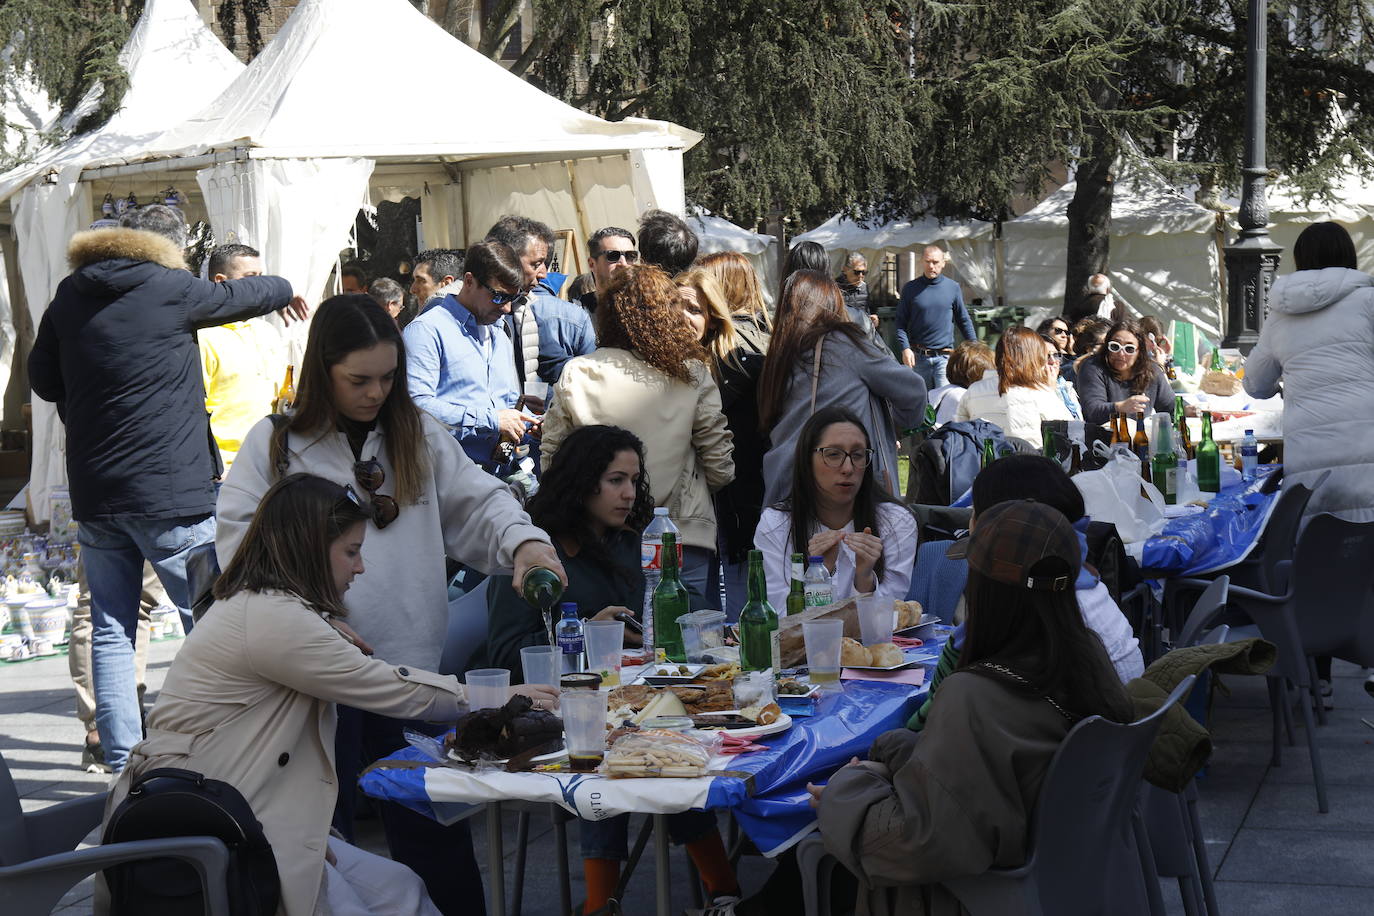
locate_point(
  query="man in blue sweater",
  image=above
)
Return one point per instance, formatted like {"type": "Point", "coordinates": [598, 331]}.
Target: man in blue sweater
{"type": "Point", "coordinates": [930, 307]}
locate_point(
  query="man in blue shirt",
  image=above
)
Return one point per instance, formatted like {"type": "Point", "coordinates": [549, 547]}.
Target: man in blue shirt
{"type": "Point", "coordinates": [930, 307]}
{"type": "Point", "coordinates": [460, 362]}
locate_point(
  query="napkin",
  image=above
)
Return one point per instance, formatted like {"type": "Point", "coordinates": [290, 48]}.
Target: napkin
{"type": "Point", "coordinates": [733, 744]}
{"type": "Point", "coordinates": [914, 676]}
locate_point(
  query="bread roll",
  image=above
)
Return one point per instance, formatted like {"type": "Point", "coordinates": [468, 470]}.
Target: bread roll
{"type": "Point", "coordinates": [908, 613]}
{"type": "Point", "coordinates": [852, 652]}
{"type": "Point", "coordinates": [885, 655]}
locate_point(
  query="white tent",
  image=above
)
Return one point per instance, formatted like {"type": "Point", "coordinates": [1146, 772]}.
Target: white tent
{"type": "Point", "coordinates": [1351, 204]}
{"type": "Point", "coordinates": [1163, 257]}
{"type": "Point", "coordinates": [175, 66]}
{"type": "Point", "coordinates": [969, 243]}
{"type": "Point", "coordinates": [716, 233]}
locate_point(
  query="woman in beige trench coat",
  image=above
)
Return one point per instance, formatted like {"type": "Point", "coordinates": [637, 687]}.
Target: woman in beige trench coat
{"type": "Point", "coordinates": [250, 698]}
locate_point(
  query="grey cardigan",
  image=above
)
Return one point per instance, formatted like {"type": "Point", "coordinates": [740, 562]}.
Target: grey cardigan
{"type": "Point", "coordinates": [886, 395]}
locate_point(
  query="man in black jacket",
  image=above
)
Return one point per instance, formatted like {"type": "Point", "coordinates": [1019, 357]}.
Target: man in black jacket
{"type": "Point", "coordinates": [116, 351]}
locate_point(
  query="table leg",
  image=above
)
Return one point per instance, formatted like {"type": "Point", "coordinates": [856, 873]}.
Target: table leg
{"type": "Point", "coordinates": [522, 840]}
{"type": "Point", "coordinates": [496, 855]}
{"type": "Point", "coordinates": [560, 834]}
{"type": "Point", "coordinates": [662, 866]}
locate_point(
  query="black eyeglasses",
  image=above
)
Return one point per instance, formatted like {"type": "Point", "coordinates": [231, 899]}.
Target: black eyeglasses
{"type": "Point", "coordinates": [1115, 347]}
{"type": "Point", "coordinates": [835, 457]}
{"type": "Point", "coordinates": [614, 255]}
{"type": "Point", "coordinates": [500, 298]}
{"type": "Point", "coordinates": [370, 476]}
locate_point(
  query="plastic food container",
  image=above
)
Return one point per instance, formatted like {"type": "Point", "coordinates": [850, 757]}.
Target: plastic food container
{"type": "Point", "coordinates": [670, 723]}
{"type": "Point", "coordinates": [580, 680]}
{"type": "Point", "coordinates": [702, 631]}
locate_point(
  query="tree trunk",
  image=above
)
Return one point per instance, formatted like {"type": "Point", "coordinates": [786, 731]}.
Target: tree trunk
{"type": "Point", "coordinates": [1090, 221]}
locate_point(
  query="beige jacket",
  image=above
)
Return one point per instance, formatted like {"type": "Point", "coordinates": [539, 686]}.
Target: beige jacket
{"type": "Point", "coordinates": [687, 448]}
{"type": "Point", "coordinates": [250, 700]}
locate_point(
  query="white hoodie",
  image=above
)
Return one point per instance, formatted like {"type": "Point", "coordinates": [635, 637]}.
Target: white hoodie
{"type": "Point", "coordinates": [1319, 339]}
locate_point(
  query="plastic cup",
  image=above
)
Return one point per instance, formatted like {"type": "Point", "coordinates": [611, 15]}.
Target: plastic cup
{"type": "Point", "coordinates": [488, 688]}
{"type": "Point", "coordinates": [584, 727]}
{"type": "Point", "coordinates": [875, 619]}
{"type": "Point", "coordinates": [823, 638]}
{"type": "Point", "coordinates": [605, 642]}
{"type": "Point", "coordinates": [541, 664]}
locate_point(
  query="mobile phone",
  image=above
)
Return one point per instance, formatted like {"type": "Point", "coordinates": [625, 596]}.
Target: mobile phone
{"type": "Point", "coordinates": [629, 621]}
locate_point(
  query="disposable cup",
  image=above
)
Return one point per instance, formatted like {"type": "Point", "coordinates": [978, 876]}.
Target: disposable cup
{"type": "Point", "coordinates": [584, 726]}
{"type": "Point", "coordinates": [823, 638]}
{"type": "Point", "coordinates": [541, 664]}
{"type": "Point", "coordinates": [488, 688]}
{"type": "Point", "coordinates": [604, 641]}
{"type": "Point", "coordinates": [875, 619]}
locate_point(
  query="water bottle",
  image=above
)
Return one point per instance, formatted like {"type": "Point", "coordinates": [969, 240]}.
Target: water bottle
{"type": "Point", "coordinates": [569, 636]}
{"type": "Point", "coordinates": [651, 562]}
{"type": "Point", "coordinates": [816, 586]}
{"type": "Point", "coordinates": [1249, 456]}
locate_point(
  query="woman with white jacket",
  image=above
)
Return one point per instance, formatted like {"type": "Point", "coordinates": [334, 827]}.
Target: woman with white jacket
{"type": "Point", "coordinates": [1318, 340]}
{"type": "Point", "coordinates": [354, 423]}
{"type": "Point", "coordinates": [250, 699]}
{"type": "Point", "coordinates": [649, 375]}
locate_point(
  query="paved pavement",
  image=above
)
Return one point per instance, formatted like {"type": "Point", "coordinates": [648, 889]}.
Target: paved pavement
{"type": "Point", "coordinates": [1271, 851]}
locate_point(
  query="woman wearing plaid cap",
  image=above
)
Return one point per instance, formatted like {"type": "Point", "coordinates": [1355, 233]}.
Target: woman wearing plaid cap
{"type": "Point", "coordinates": [956, 799]}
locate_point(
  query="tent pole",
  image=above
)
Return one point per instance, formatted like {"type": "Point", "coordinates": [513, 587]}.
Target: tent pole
{"type": "Point", "coordinates": [581, 214]}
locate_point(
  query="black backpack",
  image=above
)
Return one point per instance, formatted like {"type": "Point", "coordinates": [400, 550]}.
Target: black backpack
{"type": "Point", "coordinates": [169, 802]}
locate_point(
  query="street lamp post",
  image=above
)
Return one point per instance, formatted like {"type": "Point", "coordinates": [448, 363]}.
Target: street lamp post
{"type": "Point", "coordinates": [1253, 258]}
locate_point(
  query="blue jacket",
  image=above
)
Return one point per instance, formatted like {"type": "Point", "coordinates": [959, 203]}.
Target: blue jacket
{"type": "Point", "coordinates": [928, 311]}
{"type": "Point", "coordinates": [116, 352]}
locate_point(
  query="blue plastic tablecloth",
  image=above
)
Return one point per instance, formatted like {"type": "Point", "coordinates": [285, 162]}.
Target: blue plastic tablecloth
{"type": "Point", "coordinates": [777, 813]}
{"type": "Point", "coordinates": [1221, 535]}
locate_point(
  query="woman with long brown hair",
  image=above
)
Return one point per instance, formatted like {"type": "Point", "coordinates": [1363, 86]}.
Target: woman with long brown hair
{"type": "Point", "coordinates": [1025, 361]}
{"type": "Point", "coordinates": [1122, 378]}
{"type": "Point", "coordinates": [819, 358]}
{"type": "Point", "coordinates": [354, 423]}
{"type": "Point", "coordinates": [649, 376]}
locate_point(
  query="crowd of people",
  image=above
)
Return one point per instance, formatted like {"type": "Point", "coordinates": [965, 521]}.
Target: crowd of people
{"type": "Point", "coordinates": [658, 379]}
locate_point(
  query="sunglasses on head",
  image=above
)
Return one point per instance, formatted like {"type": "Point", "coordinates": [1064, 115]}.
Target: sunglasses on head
{"type": "Point", "coordinates": [370, 476]}
{"type": "Point", "coordinates": [1116, 347]}
{"type": "Point", "coordinates": [613, 256]}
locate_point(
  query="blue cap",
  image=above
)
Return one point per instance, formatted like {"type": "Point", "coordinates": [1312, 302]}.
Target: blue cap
{"type": "Point", "coordinates": [568, 607]}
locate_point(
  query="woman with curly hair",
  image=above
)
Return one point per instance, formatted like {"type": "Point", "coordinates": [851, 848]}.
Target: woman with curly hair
{"type": "Point", "coordinates": [1122, 377]}
{"type": "Point", "coordinates": [649, 376]}
{"type": "Point", "coordinates": [820, 358]}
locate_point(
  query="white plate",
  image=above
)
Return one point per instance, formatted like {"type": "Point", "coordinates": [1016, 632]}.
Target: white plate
{"type": "Point", "coordinates": [542, 758]}
{"type": "Point", "coordinates": [647, 676]}
{"type": "Point", "coordinates": [815, 689]}
{"type": "Point", "coordinates": [783, 723]}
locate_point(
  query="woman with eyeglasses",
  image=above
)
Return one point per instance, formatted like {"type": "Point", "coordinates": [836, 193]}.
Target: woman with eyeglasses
{"type": "Point", "coordinates": [649, 375]}
{"type": "Point", "coordinates": [354, 423]}
{"type": "Point", "coordinates": [838, 511]}
{"type": "Point", "coordinates": [1122, 377]}
{"type": "Point", "coordinates": [251, 697]}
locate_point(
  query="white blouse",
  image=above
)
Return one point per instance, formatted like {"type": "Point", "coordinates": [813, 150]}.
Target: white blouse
{"type": "Point", "coordinates": [896, 527]}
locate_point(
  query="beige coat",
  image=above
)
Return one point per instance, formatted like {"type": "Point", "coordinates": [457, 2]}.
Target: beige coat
{"type": "Point", "coordinates": [250, 700]}
{"type": "Point", "coordinates": [687, 448]}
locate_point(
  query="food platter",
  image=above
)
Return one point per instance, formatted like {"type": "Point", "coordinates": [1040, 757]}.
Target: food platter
{"type": "Point", "coordinates": [550, 757]}
{"type": "Point", "coordinates": [651, 676]}
{"type": "Point", "coordinates": [781, 724]}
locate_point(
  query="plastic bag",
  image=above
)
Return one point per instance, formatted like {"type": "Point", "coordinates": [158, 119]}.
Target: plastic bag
{"type": "Point", "coordinates": [1119, 495]}
{"type": "Point", "coordinates": [657, 752]}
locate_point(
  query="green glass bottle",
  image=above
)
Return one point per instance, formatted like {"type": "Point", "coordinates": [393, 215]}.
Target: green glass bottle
{"type": "Point", "coordinates": [989, 453]}
{"type": "Point", "coordinates": [796, 592]}
{"type": "Point", "coordinates": [542, 589]}
{"type": "Point", "coordinates": [1185, 438]}
{"type": "Point", "coordinates": [758, 623]}
{"type": "Point", "coordinates": [670, 603]}
{"type": "Point", "coordinates": [1047, 441]}
{"type": "Point", "coordinates": [1208, 458]}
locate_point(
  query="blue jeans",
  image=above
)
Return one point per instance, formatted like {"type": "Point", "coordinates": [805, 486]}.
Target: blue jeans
{"type": "Point", "coordinates": [112, 552]}
{"type": "Point", "coordinates": [932, 369]}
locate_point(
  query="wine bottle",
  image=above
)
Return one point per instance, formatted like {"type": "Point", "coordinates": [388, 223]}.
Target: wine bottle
{"type": "Point", "coordinates": [758, 623]}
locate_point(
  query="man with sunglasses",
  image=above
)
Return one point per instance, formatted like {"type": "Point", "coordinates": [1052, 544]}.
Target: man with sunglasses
{"type": "Point", "coordinates": [461, 367]}
{"type": "Point", "coordinates": [609, 249]}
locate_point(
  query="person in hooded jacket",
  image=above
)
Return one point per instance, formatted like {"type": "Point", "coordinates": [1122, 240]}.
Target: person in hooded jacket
{"type": "Point", "coordinates": [116, 352]}
{"type": "Point", "coordinates": [1318, 342]}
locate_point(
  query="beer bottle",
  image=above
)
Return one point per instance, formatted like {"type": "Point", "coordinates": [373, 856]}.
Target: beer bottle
{"type": "Point", "coordinates": [286, 395]}
{"type": "Point", "coordinates": [1116, 430]}
{"type": "Point", "coordinates": [1185, 438]}
{"type": "Point", "coordinates": [758, 623]}
{"type": "Point", "coordinates": [1125, 432]}
{"type": "Point", "coordinates": [1208, 459]}
{"type": "Point", "coordinates": [1140, 442]}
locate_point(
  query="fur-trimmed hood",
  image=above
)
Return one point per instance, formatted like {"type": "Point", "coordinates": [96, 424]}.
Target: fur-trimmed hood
{"type": "Point", "coordinates": [96, 245]}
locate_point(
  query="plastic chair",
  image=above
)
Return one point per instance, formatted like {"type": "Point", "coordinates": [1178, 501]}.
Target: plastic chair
{"type": "Point", "coordinates": [817, 867]}
{"type": "Point", "coordinates": [467, 631]}
{"type": "Point", "coordinates": [39, 861]}
{"type": "Point", "coordinates": [1324, 611]}
{"type": "Point", "coordinates": [1090, 837]}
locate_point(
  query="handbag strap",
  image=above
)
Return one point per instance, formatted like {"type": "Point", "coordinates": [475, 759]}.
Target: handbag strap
{"type": "Point", "coordinates": [816, 372]}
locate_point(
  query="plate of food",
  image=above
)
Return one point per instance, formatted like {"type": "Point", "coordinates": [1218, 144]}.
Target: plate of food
{"type": "Point", "coordinates": [639, 702]}
{"type": "Point", "coordinates": [796, 688]}
{"type": "Point", "coordinates": [497, 735]}
{"type": "Point", "coordinates": [884, 656]}
{"type": "Point", "coordinates": [925, 621]}
{"type": "Point", "coordinates": [745, 723]}
{"type": "Point", "coordinates": [665, 674]}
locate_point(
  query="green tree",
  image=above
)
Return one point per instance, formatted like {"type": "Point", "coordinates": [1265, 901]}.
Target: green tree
{"type": "Point", "coordinates": [801, 101]}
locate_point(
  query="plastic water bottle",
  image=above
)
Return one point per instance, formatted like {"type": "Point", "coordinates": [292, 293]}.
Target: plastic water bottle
{"type": "Point", "coordinates": [569, 636]}
{"type": "Point", "coordinates": [816, 586]}
{"type": "Point", "coordinates": [651, 562]}
{"type": "Point", "coordinates": [1249, 456]}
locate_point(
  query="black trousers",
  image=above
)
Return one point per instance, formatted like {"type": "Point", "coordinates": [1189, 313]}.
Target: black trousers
{"type": "Point", "coordinates": [441, 856]}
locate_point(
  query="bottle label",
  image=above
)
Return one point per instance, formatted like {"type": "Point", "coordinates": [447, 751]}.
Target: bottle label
{"type": "Point", "coordinates": [775, 650]}
{"type": "Point", "coordinates": [570, 644]}
{"type": "Point", "coordinates": [651, 556]}
{"type": "Point", "coordinates": [818, 597]}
